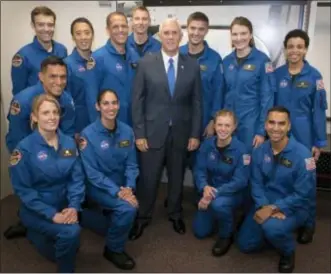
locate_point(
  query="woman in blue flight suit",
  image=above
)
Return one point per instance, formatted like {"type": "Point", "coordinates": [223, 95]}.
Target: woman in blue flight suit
{"type": "Point", "coordinates": [221, 175]}
{"type": "Point", "coordinates": [301, 90]}
{"type": "Point", "coordinates": [108, 154]}
{"type": "Point", "coordinates": [47, 176]}
{"type": "Point", "coordinates": [249, 84]}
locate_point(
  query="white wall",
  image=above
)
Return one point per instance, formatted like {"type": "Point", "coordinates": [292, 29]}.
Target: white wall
{"type": "Point", "coordinates": [319, 54]}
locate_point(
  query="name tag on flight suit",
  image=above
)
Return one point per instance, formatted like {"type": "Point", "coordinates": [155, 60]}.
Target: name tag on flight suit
{"type": "Point", "coordinates": [302, 84]}
{"type": "Point", "coordinates": [249, 67]}
{"type": "Point", "coordinates": [285, 162]}
{"type": "Point", "coordinates": [227, 160]}
{"type": "Point", "coordinates": [67, 153]}
{"type": "Point", "coordinates": [124, 143]}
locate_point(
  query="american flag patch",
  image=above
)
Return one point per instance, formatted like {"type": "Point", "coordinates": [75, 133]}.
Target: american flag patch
{"type": "Point", "coordinates": [310, 163]}
{"type": "Point", "coordinates": [319, 84]}
{"type": "Point", "coordinates": [246, 159]}
{"type": "Point", "coordinates": [268, 67]}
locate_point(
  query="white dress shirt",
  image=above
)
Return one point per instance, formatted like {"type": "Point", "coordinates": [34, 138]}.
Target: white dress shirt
{"type": "Point", "coordinates": [166, 62]}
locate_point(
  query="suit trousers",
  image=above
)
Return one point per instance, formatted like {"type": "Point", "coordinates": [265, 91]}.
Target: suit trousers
{"type": "Point", "coordinates": [151, 167]}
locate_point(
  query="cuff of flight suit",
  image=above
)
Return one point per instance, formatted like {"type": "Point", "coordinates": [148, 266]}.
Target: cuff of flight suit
{"type": "Point", "coordinates": [76, 206]}
{"type": "Point", "coordinates": [50, 213]}
{"type": "Point", "coordinates": [114, 191]}
{"type": "Point", "coordinates": [321, 144]}
{"type": "Point", "coordinates": [282, 207]}
{"type": "Point", "coordinates": [201, 186]}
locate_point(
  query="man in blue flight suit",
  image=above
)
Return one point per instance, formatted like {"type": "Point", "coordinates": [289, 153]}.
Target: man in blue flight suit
{"type": "Point", "coordinates": [109, 157]}
{"type": "Point", "coordinates": [26, 62]}
{"type": "Point", "coordinates": [111, 68]}
{"type": "Point", "coordinates": [210, 69]}
{"type": "Point", "coordinates": [282, 181]}
{"type": "Point", "coordinates": [301, 90]}
{"type": "Point", "coordinates": [78, 73]}
{"type": "Point", "coordinates": [53, 78]}
{"type": "Point", "coordinates": [139, 42]}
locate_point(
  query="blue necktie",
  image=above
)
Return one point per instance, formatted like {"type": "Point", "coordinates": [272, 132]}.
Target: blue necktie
{"type": "Point", "coordinates": [171, 76]}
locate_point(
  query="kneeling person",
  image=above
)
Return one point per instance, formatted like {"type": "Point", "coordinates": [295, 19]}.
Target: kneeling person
{"type": "Point", "coordinates": [47, 176]}
{"type": "Point", "coordinates": [109, 157]}
{"type": "Point", "coordinates": [221, 174]}
{"type": "Point", "coordinates": [282, 182]}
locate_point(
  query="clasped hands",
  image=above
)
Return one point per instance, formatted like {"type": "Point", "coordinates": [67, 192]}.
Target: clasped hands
{"type": "Point", "coordinates": [264, 213]}
{"type": "Point", "coordinates": [126, 194]}
{"type": "Point", "coordinates": [209, 193]}
{"type": "Point", "coordinates": [66, 216]}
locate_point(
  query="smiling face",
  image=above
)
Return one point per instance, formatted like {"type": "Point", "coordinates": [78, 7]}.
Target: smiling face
{"type": "Point", "coordinates": [170, 35]}
{"type": "Point", "coordinates": [295, 50]}
{"type": "Point", "coordinates": [46, 116]}
{"type": "Point", "coordinates": [140, 21]}
{"type": "Point", "coordinates": [118, 29]}
{"type": "Point", "coordinates": [83, 36]}
{"type": "Point", "coordinates": [224, 126]}
{"type": "Point", "coordinates": [44, 26]}
{"type": "Point", "coordinates": [277, 126]}
{"type": "Point", "coordinates": [240, 37]}
{"type": "Point", "coordinates": [197, 31]}
{"type": "Point", "coordinates": [108, 106]}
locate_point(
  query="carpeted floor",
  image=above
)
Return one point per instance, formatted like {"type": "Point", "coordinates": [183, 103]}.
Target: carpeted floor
{"type": "Point", "coordinates": [160, 249]}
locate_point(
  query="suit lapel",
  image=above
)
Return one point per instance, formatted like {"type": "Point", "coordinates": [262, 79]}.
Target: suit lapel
{"type": "Point", "coordinates": [163, 74]}
{"type": "Point", "coordinates": [180, 72]}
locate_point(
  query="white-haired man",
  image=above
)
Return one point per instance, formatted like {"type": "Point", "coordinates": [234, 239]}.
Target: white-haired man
{"type": "Point", "coordinates": [167, 121]}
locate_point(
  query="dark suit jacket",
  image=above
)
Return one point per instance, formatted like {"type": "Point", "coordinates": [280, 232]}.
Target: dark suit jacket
{"type": "Point", "coordinates": [153, 107]}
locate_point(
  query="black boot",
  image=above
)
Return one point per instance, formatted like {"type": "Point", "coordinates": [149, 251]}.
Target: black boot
{"type": "Point", "coordinates": [305, 235]}
{"type": "Point", "coordinates": [137, 230]}
{"type": "Point", "coordinates": [286, 263]}
{"type": "Point", "coordinates": [121, 260]}
{"type": "Point", "coordinates": [15, 231]}
{"type": "Point", "coordinates": [221, 247]}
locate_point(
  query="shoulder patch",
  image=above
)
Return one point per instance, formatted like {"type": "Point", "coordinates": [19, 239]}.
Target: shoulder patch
{"type": "Point", "coordinates": [90, 63]}
{"type": "Point", "coordinates": [124, 143]}
{"type": "Point", "coordinates": [82, 143]}
{"type": "Point", "coordinates": [320, 84]}
{"type": "Point", "coordinates": [17, 60]}
{"type": "Point", "coordinates": [269, 67]}
{"type": "Point", "coordinates": [310, 163]}
{"type": "Point", "coordinates": [15, 157]}
{"type": "Point", "coordinates": [246, 159]}
{"type": "Point", "coordinates": [15, 107]}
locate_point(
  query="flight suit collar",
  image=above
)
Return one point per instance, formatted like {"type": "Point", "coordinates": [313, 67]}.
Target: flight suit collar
{"type": "Point", "coordinates": [185, 50]}
{"type": "Point", "coordinates": [231, 146]}
{"type": "Point", "coordinates": [40, 88]}
{"type": "Point", "coordinates": [37, 44]}
{"type": "Point", "coordinates": [103, 129]}
{"type": "Point", "coordinates": [39, 139]}
{"type": "Point", "coordinates": [78, 57]}
{"type": "Point", "coordinates": [132, 43]}
{"type": "Point", "coordinates": [288, 148]}
{"type": "Point", "coordinates": [112, 50]}
{"type": "Point", "coordinates": [249, 56]}
{"type": "Point", "coordinates": [305, 70]}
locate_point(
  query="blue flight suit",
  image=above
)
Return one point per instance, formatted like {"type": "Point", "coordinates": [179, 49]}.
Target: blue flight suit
{"type": "Point", "coordinates": [151, 45]}
{"type": "Point", "coordinates": [286, 182]}
{"type": "Point", "coordinates": [27, 61]}
{"type": "Point", "coordinates": [109, 160]}
{"type": "Point", "coordinates": [20, 110]}
{"type": "Point", "coordinates": [249, 93]}
{"type": "Point", "coordinates": [78, 77]}
{"type": "Point", "coordinates": [47, 181]}
{"type": "Point", "coordinates": [305, 98]}
{"type": "Point", "coordinates": [227, 170]}
{"type": "Point", "coordinates": [111, 71]}
{"type": "Point", "coordinates": [211, 70]}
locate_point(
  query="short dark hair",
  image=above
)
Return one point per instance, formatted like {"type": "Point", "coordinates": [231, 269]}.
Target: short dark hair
{"type": "Point", "coordinates": [280, 109]}
{"type": "Point", "coordinates": [141, 8]}
{"type": "Point", "coordinates": [52, 61]}
{"type": "Point", "coordinates": [198, 16]}
{"type": "Point", "coordinates": [42, 10]}
{"type": "Point", "coordinates": [80, 20]}
{"type": "Point", "coordinates": [110, 15]}
{"type": "Point", "coordinates": [297, 33]}
{"type": "Point", "coordinates": [103, 92]}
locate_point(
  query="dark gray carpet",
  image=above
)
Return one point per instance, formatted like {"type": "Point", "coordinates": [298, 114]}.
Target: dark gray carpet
{"type": "Point", "coordinates": [160, 249]}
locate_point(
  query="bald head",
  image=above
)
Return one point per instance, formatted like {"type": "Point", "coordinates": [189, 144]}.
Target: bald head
{"type": "Point", "coordinates": [170, 33]}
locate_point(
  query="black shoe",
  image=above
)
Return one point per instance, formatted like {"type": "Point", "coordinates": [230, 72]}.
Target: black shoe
{"type": "Point", "coordinates": [305, 235]}
{"type": "Point", "coordinates": [121, 260]}
{"type": "Point", "coordinates": [137, 230]}
{"type": "Point", "coordinates": [15, 231]}
{"type": "Point", "coordinates": [178, 225]}
{"type": "Point", "coordinates": [286, 263]}
{"type": "Point", "coordinates": [221, 247]}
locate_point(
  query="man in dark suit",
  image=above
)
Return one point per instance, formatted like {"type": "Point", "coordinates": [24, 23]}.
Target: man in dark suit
{"type": "Point", "coordinates": [167, 118]}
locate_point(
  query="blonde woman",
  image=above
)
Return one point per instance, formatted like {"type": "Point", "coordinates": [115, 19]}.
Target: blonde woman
{"type": "Point", "coordinates": [47, 177]}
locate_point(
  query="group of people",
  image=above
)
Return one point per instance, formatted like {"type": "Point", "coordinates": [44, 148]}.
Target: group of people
{"type": "Point", "coordinates": [90, 133]}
